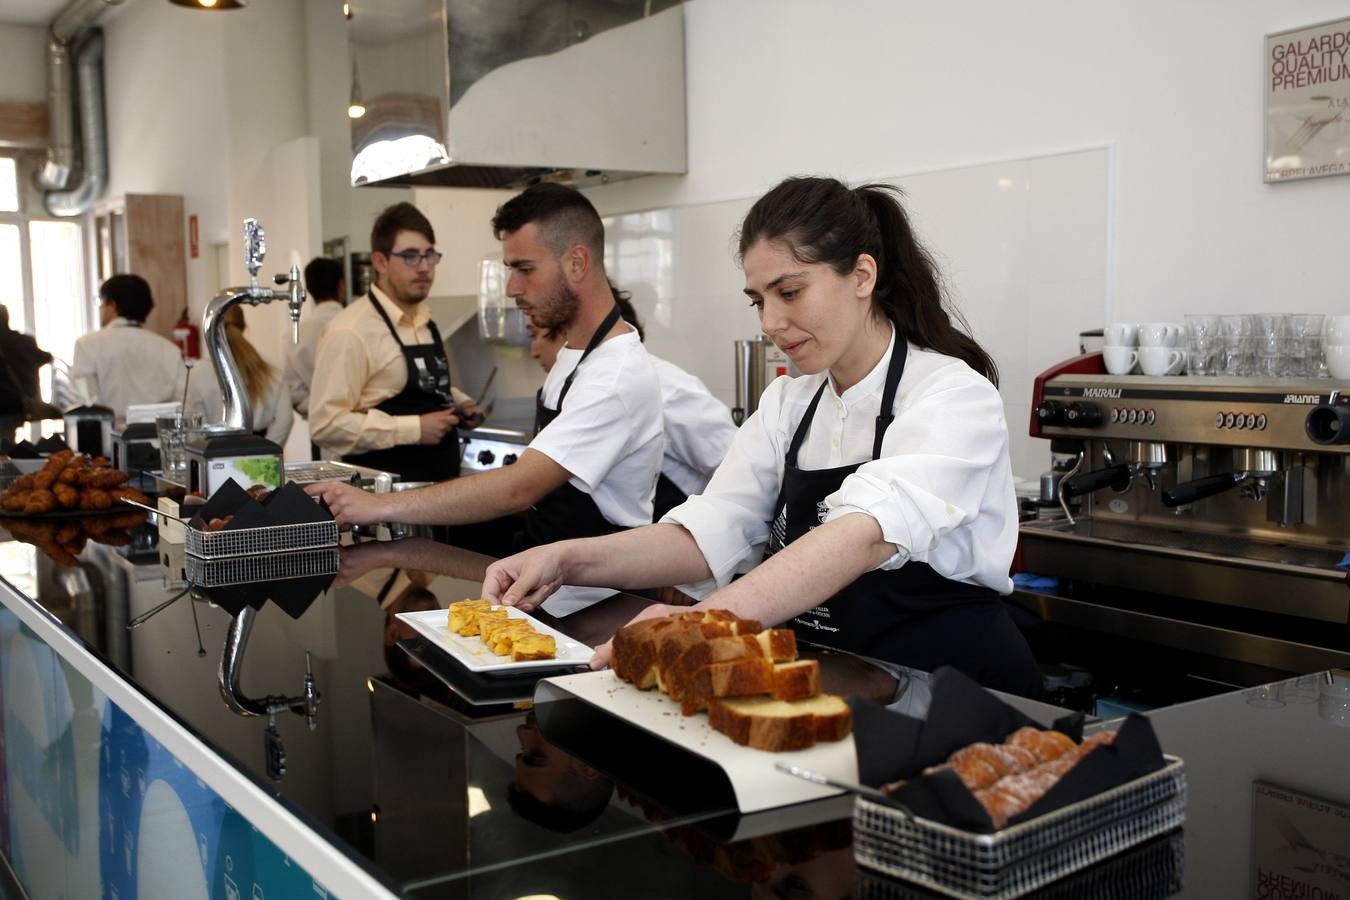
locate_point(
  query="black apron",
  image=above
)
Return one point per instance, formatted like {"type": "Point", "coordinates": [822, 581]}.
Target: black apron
{"type": "Point", "coordinates": [668, 496]}
{"type": "Point", "coordinates": [426, 390]}
{"type": "Point", "coordinates": [566, 512]}
{"type": "Point", "coordinates": [912, 615]}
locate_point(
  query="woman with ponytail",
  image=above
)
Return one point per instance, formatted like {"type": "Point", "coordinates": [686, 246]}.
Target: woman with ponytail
{"type": "Point", "coordinates": [868, 502]}
{"type": "Point", "coordinates": [266, 389]}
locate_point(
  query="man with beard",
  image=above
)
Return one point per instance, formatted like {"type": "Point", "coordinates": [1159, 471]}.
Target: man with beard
{"type": "Point", "coordinates": [592, 467]}
{"type": "Point", "coordinates": [381, 395]}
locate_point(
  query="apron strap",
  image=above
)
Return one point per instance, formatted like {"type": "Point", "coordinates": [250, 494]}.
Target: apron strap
{"type": "Point", "coordinates": [804, 426]}
{"type": "Point", "coordinates": [885, 416]}
{"type": "Point", "coordinates": [896, 368]}
{"type": "Point", "coordinates": [596, 339]}
{"type": "Point", "coordinates": [384, 315]}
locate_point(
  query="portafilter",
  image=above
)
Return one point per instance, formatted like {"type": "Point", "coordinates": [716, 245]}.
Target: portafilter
{"type": "Point", "coordinates": [1252, 465]}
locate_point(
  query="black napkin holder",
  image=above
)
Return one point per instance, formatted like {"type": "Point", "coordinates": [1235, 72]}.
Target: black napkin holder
{"type": "Point", "coordinates": [892, 746]}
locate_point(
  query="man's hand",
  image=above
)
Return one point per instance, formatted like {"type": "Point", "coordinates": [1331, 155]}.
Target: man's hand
{"type": "Point", "coordinates": [655, 611]}
{"type": "Point", "coordinates": [470, 414]}
{"type": "Point", "coordinates": [351, 505]}
{"type": "Point", "coordinates": [526, 579]}
{"type": "Point", "coordinates": [435, 425]}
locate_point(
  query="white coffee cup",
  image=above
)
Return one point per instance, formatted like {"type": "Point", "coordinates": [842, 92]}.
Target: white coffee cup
{"type": "Point", "coordinates": [1338, 360]}
{"type": "Point", "coordinates": [1336, 330]}
{"type": "Point", "coordinates": [1159, 334]}
{"type": "Point", "coordinates": [1119, 360]}
{"type": "Point", "coordinates": [1160, 360]}
{"type": "Point", "coordinates": [1121, 334]}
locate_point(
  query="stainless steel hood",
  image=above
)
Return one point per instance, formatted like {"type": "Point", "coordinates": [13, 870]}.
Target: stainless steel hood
{"type": "Point", "coordinates": [500, 93]}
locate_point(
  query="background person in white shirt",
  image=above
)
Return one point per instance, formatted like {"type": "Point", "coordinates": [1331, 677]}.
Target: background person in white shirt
{"type": "Point", "coordinates": [592, 466]}
{"type": "Point", "coordinates": [123, 364]}
{"type": "Point", "coordinates": [870, 501]}
{"type": "Point", "coordinates": [326, 284]}
{"type": "Point", "coordinates": [697, 425]}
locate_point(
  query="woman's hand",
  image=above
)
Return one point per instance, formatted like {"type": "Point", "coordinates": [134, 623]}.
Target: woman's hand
{"type": "Point", "coordinates": [655, 611]}
{"type": "Point", "coordinates": [526, 579]}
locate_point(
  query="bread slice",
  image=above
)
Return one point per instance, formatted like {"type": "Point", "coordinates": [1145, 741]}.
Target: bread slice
{"type": "Point", "coordinates": [737, 678]}
{"type": "Point", "coordinates": [675, 679]}
{"type": "Point", "coordinates": [778, 644]}
{"type": "Point", "coordinates": [533, 646]}
{"type": "Point", "coordinates": [634, 649]}
{"type": "Point", "coordinates": [796, 680]}
{"type": "Point", "coordinates": [779, 725]}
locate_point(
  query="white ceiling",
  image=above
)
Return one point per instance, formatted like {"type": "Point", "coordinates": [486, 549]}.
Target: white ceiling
{"type": "Point", "coordinates": [30, 12]}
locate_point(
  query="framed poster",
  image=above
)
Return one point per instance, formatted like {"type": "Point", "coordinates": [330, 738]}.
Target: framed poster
{"type": "Point", "coordinates": [1307, 73]}
{"type": "Point", "coordinates": [1299, 844]}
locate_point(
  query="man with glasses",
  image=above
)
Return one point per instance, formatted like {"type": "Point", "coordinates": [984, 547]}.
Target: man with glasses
{"type": "Point", "coordinates": [381, 395]}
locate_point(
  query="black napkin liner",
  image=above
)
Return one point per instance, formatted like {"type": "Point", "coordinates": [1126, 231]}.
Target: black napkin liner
{"type": "Point", "coordinates": [293, 595]}
{"type": "Point", "coordinates": [288, 505]}
{"type": "Point", "coordinates": [892, 746]}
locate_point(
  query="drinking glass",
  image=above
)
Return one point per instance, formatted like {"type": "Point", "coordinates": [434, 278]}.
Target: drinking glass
{"type": "Point", "coordinates": [174, 433]}
{"type": "Point", "coordinates": [1303, 341]}
{"type": "Point", "coordinates": [1269, 331]}
{"type": "Point", "coordinates": [1235, 335]}
{"type": "Point", "coordinates": [1202, 344]}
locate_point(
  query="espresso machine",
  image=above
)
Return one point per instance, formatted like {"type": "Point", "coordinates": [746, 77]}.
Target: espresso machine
{"type": "Point", "coordinates": [1210, 515]}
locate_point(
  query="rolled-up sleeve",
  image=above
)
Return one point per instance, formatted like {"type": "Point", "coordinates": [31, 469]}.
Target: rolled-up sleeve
{"type": "Point", "coordinates": [933, 473]}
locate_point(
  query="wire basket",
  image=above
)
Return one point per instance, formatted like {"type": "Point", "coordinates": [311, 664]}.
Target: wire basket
{"type": "Point", "coordinates": [1151, 870]}
{"type": "Point", "coordinates": [250, 569]}
{"type": "Point", "coordinates": [311, 472]}
{"type": "Point", "coordinates": [268, 539]}
{"type": "Point", "coordinates": [1025, 856]}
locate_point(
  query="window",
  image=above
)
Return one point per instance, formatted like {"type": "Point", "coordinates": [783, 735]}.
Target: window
{"type": "Point", "coordinates": [42, 282]}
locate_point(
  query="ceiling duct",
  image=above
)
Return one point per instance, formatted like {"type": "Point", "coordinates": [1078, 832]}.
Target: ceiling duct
{"type": "Point", "coordinates": [70, 46]}
{"type": "Point", "coordinates": [482, 93]}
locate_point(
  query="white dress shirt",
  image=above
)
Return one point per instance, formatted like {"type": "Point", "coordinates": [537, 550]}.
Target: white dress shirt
{"type": "Point", "coordinates": [300, 356]}
{"type": "Point", "coordinates": [273, 416]}
{"type": "Point", "coordinates": [942, 490]}
{"type": "Point", "coordinates": [609, 433]}
{"type": "Point", "coordinates": [123, 364]}
{"type": "Point", "coordinates": [698, 426]}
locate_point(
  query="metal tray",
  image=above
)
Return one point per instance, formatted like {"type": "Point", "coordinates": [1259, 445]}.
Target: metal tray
{"type": "Point", "coordinates": [254, 541]}
{"type": "Point", "coordinates": [267, 567]}
{"type": "Point", "coordinates": [1022, 857]}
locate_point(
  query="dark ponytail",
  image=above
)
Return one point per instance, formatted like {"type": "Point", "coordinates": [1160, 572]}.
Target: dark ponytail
{"type": "Point", "coordinates": [823, 221]}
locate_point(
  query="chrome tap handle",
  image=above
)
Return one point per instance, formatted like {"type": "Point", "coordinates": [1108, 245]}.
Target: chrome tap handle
{"type": "Point", "coordinates": [296, 300]}
{"type": "Point", "coordinates": [255, 247]}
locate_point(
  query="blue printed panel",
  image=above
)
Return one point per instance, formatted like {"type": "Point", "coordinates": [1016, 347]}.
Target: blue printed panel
{"type": "Point", "coordinates": [93, 806]}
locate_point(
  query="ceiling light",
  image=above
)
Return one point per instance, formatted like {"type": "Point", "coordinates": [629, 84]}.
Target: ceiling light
{"type": "Point", "coordinates": [355, 108]}
{"type": "Point", "coordinates": [211, 4]}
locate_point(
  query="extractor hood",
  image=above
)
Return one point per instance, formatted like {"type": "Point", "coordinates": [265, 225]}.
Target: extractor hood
{"type": "Point", "coordinates": [500, 93]}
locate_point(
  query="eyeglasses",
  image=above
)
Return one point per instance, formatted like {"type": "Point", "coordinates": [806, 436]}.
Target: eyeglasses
{"type": "Point", "coordinates": [412, 258]}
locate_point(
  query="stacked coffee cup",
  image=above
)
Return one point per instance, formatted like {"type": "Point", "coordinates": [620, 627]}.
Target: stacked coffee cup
{"type": "Point", "coordinates": [1161, 351]}
{"type": "Point", "coordinates": [1336, 346]}
{"type": "Point", "coordinates": [1120, 354]}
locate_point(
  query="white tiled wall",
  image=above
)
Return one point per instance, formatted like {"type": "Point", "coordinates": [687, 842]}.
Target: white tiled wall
{"type": "Point", "coordinates": [1022, 244]}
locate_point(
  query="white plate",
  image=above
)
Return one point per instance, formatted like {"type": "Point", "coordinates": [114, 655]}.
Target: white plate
{"type": "Point", "coordinates": [475, 656]}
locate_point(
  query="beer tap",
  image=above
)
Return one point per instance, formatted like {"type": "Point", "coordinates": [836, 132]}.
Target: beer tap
{"type": "Point", "coordinates": [238, 406]}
